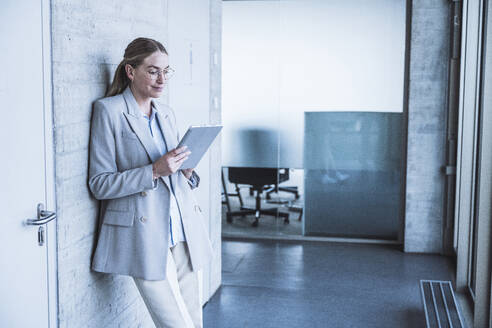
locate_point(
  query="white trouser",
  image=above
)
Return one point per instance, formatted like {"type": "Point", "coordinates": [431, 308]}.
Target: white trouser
{"type": "Point", "coordinates": [176, 301]}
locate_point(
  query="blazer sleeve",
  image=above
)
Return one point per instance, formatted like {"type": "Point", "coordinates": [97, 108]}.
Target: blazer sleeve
{"type": "Point", "coordinates": [105, 182]}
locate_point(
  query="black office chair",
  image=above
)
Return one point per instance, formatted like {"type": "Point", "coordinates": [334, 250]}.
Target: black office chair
{"type": "Point", "coordinates": [260, 179]}
{"type": "Point", "coordinates": [228, 194]}
{"type": "Point", "coordinates": [283, 176]}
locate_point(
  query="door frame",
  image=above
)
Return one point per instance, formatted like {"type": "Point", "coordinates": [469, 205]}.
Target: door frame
{"type": "Point", "coordinates": [482, 316]}
{"type": "Point", "coordinates": [474, 195]}
{"type": "Point", "coordinates": [467, 137]}
{"type": "Point", "coordinates": [50, 196]}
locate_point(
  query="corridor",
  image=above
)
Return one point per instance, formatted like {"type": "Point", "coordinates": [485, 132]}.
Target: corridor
{"type": "Point", "coordinates": [283, 284]}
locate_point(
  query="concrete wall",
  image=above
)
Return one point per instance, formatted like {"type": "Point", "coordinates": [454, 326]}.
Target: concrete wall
{"type": "Point", "coordinates": [88, 41]}
{"type": "Point", "coordinates": [427, 101]}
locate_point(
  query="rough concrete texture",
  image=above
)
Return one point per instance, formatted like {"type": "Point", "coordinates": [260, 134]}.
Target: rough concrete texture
{"type": "Point", "coordinates": [428, 76]}
{"type": "Point", "coordinates": [88, 41]}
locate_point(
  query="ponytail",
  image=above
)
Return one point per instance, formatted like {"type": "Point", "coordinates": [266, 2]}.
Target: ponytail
{"type": "Point", "coordinates": [135, 53]}
{"type": "Point", "coordinates": [120, 81]}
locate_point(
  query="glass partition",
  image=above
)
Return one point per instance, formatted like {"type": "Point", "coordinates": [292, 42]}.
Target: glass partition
{"type": "Point", "coordinates": [352, 166]}
{"type": "Point", "coordinates": [287, 62]}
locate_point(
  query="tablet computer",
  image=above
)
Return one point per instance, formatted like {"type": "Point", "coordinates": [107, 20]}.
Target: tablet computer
{"type": "Point", "coordinates": [198, 139]}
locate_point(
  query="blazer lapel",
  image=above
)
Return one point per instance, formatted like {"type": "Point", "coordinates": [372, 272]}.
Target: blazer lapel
{"type": "Point", "coordinates": [168, 131]}
{"type": "Point", "coordinates": [140, 127]}
{"type": "Point", "coordinates": [143, 136]}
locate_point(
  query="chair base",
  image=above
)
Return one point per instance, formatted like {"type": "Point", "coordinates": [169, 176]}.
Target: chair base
{"type": "Point", "coordinates": [293, 190]}
{"type": "Point", "coordinates": [257, 212]}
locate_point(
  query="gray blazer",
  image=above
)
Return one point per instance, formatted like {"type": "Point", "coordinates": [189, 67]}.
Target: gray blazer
{"type": "Point", "coordinates": [134, 213]}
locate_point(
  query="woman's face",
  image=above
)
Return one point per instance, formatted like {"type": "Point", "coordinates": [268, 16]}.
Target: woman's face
{"type": "Point", "coordinates": [148, 78]}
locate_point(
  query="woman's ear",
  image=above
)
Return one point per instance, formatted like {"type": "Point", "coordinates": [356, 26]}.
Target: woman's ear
{"type": "Point", "coordinates": [129, 72]}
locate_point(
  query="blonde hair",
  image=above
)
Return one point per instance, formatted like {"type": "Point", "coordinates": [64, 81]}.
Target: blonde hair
{"type": "Point", "coordinates": [135, 53]}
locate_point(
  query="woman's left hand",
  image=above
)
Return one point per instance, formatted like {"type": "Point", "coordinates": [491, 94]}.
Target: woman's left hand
{"type": "Point", "coordinates": [187, 173]}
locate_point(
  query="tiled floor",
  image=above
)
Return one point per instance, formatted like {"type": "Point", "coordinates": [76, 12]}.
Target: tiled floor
{"type": "Point", "coordinates": [286, 284]}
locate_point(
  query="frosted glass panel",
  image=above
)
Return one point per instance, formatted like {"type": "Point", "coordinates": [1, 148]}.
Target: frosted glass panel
{"type": "Point", "coordinates": [352, 174]}
{"type": "Point", "coordinates": [283, 58]}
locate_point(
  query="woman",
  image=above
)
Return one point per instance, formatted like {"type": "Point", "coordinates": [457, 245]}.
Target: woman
{"type": "Point", "coordinates": [151, 227]}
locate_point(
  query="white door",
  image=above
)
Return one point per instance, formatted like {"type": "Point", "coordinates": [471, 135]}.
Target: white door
{"type": "Point", "coordinates": [26, 279]}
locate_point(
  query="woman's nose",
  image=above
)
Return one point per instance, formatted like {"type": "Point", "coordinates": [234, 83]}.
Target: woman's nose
{"type": "Point", "coordinates": [161, 77]}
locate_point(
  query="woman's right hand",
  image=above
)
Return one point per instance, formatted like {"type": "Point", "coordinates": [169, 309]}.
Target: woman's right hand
{"type": "Point", "coordinates": [170, 162]}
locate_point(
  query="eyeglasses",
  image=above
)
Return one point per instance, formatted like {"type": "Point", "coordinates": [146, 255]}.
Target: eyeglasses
{"type": "Point", "coordinates": [166, 73]}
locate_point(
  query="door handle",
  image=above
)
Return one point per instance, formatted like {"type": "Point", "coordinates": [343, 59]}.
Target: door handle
{"type": "Point", "coordinates": [43, 217]}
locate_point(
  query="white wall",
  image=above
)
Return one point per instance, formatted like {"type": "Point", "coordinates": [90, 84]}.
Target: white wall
{"type": "Point", "coordinates": [189, 92]}
{"type": "Point", "coordinates": [282, 58]}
